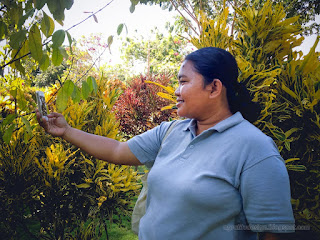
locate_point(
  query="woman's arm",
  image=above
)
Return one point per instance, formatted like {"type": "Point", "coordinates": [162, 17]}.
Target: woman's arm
{"type": "Point", "coordinates": [100, 147]}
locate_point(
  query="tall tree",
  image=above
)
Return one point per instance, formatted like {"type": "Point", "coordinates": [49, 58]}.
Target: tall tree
{"type": "Point", "coordinates": [157, 54]}
{"type": "Point", "coordinates": [305, 9]}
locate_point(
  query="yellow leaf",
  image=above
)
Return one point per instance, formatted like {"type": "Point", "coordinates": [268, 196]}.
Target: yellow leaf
{"type": "Point", "coordinates": [171, 106]}
{"type": "Point", "coordinates": [169, 89]}
{"type": "Point", "coordinates": [289, 132]}
{"type": "Point", "coordinates": [291, 160]}
{"type": "Point", "coordinates": [167, 96]}
{"type": "Point", "coordinates": [290, 92]}
{"type": "Point", "coordinates": [83, 185]}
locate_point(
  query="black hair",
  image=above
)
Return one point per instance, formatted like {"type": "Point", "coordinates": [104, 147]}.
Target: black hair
{"type": "Point", "coordinates": [216, 63]}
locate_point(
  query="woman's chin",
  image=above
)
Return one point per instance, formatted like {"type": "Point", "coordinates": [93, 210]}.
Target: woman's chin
{"type": "Point", "coordinates": [181, 113]}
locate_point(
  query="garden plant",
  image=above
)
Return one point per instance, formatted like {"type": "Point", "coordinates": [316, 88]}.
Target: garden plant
{"type": "Point", "coordinates": [50, 189]}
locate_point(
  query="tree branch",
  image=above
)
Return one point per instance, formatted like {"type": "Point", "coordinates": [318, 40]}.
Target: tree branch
{"type": "Point", "coordinates": [91, 15]}
{"type": "Point", "coordinates": [185, 19]}
{"type": "Point", "coordinates": [84, 74]}
{"type": "Point", "coordinates": [191, 14]}
{"type": "Point", "coordinates": [45, 43]}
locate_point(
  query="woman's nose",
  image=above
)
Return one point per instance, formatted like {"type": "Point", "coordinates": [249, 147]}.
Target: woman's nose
{"type": "Point", "coordinates": [177, 91]}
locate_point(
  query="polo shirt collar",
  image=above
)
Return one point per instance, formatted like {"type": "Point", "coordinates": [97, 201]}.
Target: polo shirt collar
{"type": "Point", "coordinates": [221, 126]}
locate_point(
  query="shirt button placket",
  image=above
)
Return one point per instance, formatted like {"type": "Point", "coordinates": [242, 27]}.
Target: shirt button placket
{"type": "Point", "coordinates": [187, 152]}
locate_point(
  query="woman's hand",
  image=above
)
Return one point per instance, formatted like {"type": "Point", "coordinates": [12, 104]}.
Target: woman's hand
{"type": "Point", "coordinates": [54, 124]}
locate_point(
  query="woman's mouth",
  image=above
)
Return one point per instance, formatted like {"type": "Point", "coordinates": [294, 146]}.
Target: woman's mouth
{"type": "Point", "coordinates": [179, 102]}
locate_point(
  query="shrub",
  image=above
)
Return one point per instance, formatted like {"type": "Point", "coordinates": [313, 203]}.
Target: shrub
{"type": "Point", "coordinates": [139, 107]}
{"type": "Point", "coordinates": [49, 189]}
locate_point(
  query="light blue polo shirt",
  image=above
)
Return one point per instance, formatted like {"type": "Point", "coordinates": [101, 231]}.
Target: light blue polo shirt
{"type": "Point", "coordinates": [214, 186]}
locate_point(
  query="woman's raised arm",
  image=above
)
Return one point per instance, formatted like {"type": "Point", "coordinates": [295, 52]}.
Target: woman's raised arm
{"type": "Point", "coordinates": [102, 148]}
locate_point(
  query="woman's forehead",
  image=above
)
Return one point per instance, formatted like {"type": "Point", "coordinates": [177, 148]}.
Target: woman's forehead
{"type": "Point", "coordinates": [188, 71]}
{"type": "Point", "coordinates": [186, 66]}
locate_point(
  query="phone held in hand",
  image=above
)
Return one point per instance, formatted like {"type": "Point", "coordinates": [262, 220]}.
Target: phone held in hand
{"type": "Point", "coordinates": [41, 102]}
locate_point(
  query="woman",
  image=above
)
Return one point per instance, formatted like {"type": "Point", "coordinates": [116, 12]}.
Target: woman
{"type": "Point", "coordinates": [216, 176]}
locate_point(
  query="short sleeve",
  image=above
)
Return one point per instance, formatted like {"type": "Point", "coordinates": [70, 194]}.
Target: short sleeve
{"type": "Point", "coordinates": [146, 145]}
{"type": "Point", "coordinates": [265, 190]}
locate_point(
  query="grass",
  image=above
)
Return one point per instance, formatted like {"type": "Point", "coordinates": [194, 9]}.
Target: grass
{"type": "Point", "coordinates": [120, 233]}
{"type": "Point", "coordinates": [115, 232]}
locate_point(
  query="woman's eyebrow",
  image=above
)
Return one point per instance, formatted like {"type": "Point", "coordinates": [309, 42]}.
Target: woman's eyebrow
{"type": "Point", "coordinates": [181, 76]}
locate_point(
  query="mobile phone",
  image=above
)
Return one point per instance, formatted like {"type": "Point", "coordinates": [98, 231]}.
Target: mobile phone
{"type": "Point", "coordinates": [41, 102]}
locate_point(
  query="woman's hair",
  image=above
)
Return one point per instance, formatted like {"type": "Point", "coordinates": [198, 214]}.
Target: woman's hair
{"type": "Point", "coordinates": [216, 63]}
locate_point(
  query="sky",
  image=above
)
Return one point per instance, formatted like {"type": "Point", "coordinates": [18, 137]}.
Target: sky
{"type": "Point", "coordinates": [143, 19]}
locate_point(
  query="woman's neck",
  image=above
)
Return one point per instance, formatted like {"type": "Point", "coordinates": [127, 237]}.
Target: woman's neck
{"type": "Point", "coordinates": [204, 124]}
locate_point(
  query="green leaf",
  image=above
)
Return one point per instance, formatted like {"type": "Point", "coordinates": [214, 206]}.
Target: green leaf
{"type": "Point", "coordinates": [53, 6]}
{"type": "Point", "coordinates": [24, 49]}
{"type": "Point", "coordinates": [110, 40]}
{"type": "Point", "coordinates": [22, 102]}
{"type": "Point", "coordinates": [76, 94]}
{"type": "Point", "coordinates": [17, 65]}
{"type": "Point", "coordinates": [39, 4]}
{"type": "Point", "coordinates": [63, 95]}
{"type": "Point", "coordinates": [9, 119]}
{"type": "Point", "coordinates": [47, 25]}
{"type": "Point", "coordinates": [45, 62]}
{"type": "Point", "coordinates": [94, 85]}
{"type": "Point", "coordinates": [26, 137]}
{"type": "Point", "coordinates": [25, 17]}
{"type": "Point", "coordinates": [120, 28]}
{"type": "Point", "coordinates": [89, 81]}
{"type": "Point", "coordinates": [68, 87]}
{"type": "Point", "coordinates": [67, 4]}
{"type": "Point", "coordinates": [27, 123]}
{"type": "Point", "coordinates": [3, 30]}
{"type": "Point", "coordinates": [15, 14]}
{"type": "Point", "coordinates": [35, 43]}
{"type": "Point", "coordinates": [132, 8]}
{"type": "Point", "coordinates": [59, 21]}
{"type": "Point", "coordinates": [85, 90]}
{"type": "Point", "coordinates": [8, 133]}
{"type": "Point", "coordinates": [58, 38]}
{"type": "Point", "coordinates": [57, 56]}
{"type": "Point", "coordinates": [17, 39]}
{"type": "Point", "coordinates": [64, 52]}
{"type": "Point", "coordinates": [61, 101]}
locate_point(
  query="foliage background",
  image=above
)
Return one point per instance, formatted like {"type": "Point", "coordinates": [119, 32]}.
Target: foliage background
{"type": "Point", "coordinates": [47, 183]}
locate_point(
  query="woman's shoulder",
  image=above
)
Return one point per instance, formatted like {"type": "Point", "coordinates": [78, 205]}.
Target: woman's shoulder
{"type": "Point", "coordinates": [250, 132]}
{"type": "Point", "coordinates": [252, 139]}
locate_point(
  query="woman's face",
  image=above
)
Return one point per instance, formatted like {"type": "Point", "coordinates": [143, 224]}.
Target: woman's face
{"type": "Point", "coordinates": [192, 97]}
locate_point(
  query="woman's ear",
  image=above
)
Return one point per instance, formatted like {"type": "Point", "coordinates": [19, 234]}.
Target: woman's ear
{"type": "Point", "coordinates": [215, 88]}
